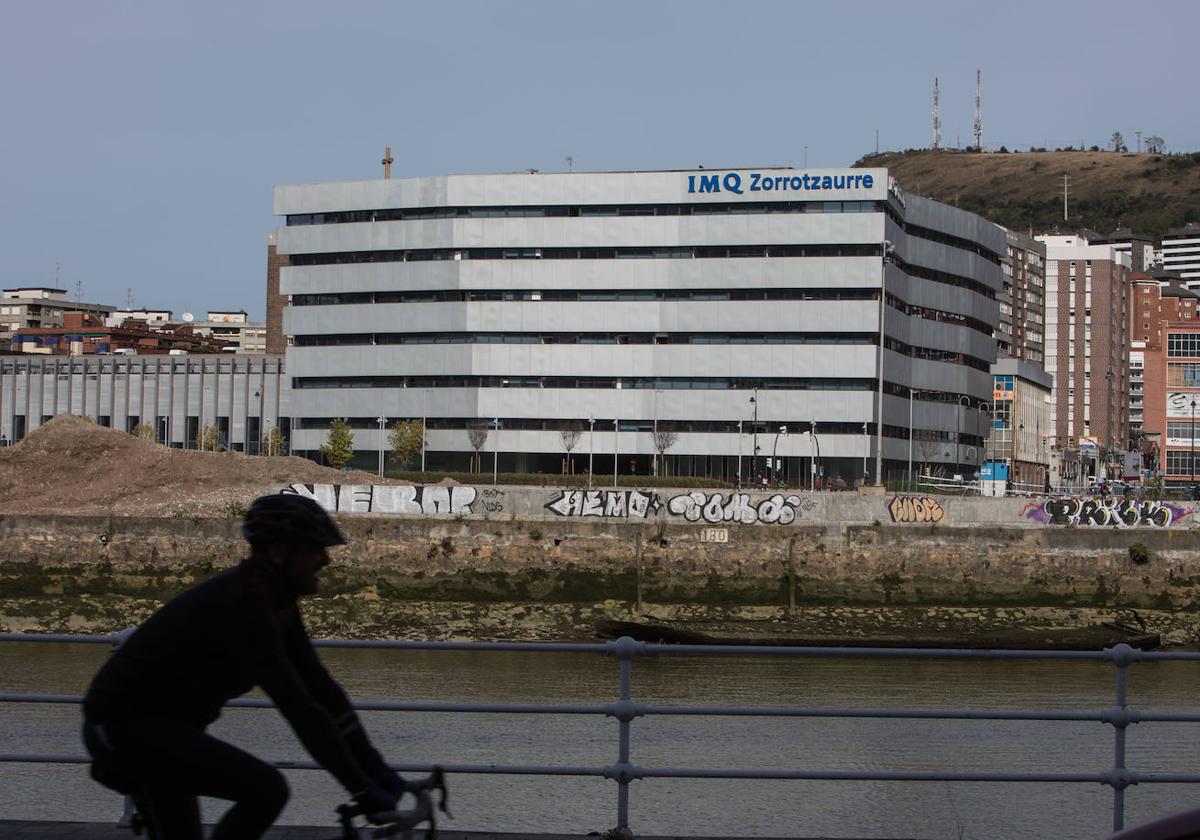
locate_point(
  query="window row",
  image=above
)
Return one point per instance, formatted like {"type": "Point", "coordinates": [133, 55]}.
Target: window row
{"type": "Point", "coordinates": [605, 210]}
{"type": "Point", "coordinates": [637, 295]}
{"type": "Point", "coordinates": [605, 424]}
{"type": "Point", "coordinates": [1185, 345]}
{"type": "Point", "coordinates": [351, 339]}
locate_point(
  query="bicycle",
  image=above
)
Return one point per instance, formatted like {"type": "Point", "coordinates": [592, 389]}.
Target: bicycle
{"type": "Point", "coordinates": [400, 824]}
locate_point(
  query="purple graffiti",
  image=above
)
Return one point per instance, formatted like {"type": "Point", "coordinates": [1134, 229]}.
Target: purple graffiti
{"type": "Point", "coordinates": [1120, 513]}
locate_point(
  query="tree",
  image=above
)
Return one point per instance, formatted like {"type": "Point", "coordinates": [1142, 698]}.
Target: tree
{"type": "Point", "coordinates": [929, 448]}
{"type": "Point", "coordinates": [570, 439]}
{"type": "Point", "coordinates": [664, 439]}
{"type": "Point", "coordinates": [144, 431]}
{"type": "Point", "coordinates": [1156, 145]}
{"type": "Point", "coordinates": [1118, 142]}
{"type": "Point", "coordinates": [477, 435]}
{"type": "Point", "coordinates": [209, 438]}
{"type": "Point", "coordinates": [406, 438]}
{"type": "Point", "coordinates": [273, 443]}
{"type": "Point", "coordinates": [338, 447]}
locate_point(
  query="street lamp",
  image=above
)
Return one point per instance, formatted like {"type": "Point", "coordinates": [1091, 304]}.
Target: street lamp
{"type": "Point", "coordinates": [739, 468]}
{"type": "Point", "coordinates": [656, 393]}
{"type": "Point", "coordinates": [1192, 456]}
{"type": "Point", "coordinates": [964, 401]}
{"type": "Point", "coordinates": [1108, 420]}
{"type": "Point", "coordinates": [812, 430]}
{"type": "Point", "coordinates": [270, 439]}
{"type": "Point", "coordinates": [424, 424]}
{"type": "Point", "coordinates": [889, 255]}
{"type": "Point", "coordinates": [989, 409]}
{"type": "Point", "coordinates": [496, 451]}
{"type": "Point", "coordinates": [754, 436]}
{"type": "Point", "coordinates": [775, 452]}
{"type": "Point", "coordinates": [616, 447]}
{"type": "Point", "coordinates": [591, 448]}
{"type": "Point", "coordinates": [910, 434]}
{"type": "Point", "coordinates": [381, 420]}
{"type": "Point", "coordinates": [866, 452]}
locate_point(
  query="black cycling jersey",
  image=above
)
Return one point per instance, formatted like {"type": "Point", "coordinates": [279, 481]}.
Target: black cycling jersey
{"type": "Point", "coordinates": [216, 642]}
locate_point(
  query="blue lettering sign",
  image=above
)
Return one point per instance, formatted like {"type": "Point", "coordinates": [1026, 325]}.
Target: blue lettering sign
{"type": "Point", "coordinates": [732, 182]}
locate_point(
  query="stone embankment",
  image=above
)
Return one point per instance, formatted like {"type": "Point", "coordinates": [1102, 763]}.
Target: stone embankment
{"type": "Point", "coordinates": [478, 574]}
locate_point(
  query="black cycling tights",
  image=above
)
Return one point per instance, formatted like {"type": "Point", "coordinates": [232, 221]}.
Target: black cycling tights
{"type": "Point", "coordinates": [171, 764]}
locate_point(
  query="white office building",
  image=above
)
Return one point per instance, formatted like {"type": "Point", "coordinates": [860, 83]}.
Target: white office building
{"type": "Point", "coordinates": [736, 311]}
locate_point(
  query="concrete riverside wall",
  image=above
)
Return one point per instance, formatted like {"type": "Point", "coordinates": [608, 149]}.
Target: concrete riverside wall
{"type": "Point", "coordinates": [492, 557]}
{"type": "Point", "coordinates": [735, 508]}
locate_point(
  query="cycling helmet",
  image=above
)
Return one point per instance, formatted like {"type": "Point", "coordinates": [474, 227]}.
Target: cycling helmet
{"type": "Point", "coordinates": [288, 518]}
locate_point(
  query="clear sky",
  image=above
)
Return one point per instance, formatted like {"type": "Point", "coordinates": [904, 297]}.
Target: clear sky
{"type": "Point", "coordinates": [140, 140]}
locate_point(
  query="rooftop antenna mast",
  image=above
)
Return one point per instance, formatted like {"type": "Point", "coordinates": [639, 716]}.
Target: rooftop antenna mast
{"type": "Point", "coordinates": [387, 162]}
{"type": "Point", "coordinates": [937, 118]}
{"type": "Point", "coordinates": [570, 163]}
{"type": "Point", "coordinates": [978, 113]}
{"type": "Point", "coordinates": [128, 299]}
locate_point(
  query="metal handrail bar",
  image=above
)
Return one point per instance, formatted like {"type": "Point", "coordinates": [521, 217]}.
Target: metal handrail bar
{"type": "Point", "coordinates": [643, 710]}
{"type": "Point", "coordinates": [625, 710]}
{"type": "Point", "coordinates": [1108, 654]}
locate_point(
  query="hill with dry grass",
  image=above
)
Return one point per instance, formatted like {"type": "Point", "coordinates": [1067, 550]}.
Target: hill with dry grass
{"type": "Point", "coordinates": [1149, 193]}
{"type": "Point", "coordinates": [70, 465]}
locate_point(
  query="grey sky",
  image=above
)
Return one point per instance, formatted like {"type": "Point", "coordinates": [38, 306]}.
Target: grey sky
{"type": "Point", "coordinates": [140, 140]}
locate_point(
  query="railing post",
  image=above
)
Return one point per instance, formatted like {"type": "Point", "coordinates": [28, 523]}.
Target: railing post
{"type": "Point", "coordinates": [1119, 716]}
{"type": "Point", "coordinates": [625, 710]}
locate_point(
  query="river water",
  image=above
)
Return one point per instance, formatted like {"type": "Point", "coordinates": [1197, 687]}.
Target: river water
{"type": "Point", "coordinates": [737, 808]}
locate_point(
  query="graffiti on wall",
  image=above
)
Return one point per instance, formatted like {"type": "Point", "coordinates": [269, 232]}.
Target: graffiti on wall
{"type": "Point", "coordinates": [393, 498]}
{"type": "Point", "coordinates": [924, 510]}
{"type": "Point", "coordinates": [1122, 513]}
{"type": "Point", "coordinates": [624, 504]}
{"type": "Point", "coordinates": [734, 507]}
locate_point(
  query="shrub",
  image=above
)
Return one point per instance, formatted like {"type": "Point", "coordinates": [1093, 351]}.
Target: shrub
{"type": "Point", "coordinates": [1139, 554]}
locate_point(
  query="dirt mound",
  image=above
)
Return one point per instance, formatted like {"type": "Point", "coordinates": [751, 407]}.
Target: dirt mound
{"type": "Point", "coordinates": [71, 465]}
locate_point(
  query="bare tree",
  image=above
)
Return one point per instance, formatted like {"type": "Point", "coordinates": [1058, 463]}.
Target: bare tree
{"type": "Point", "coordinates": [477, 434]}
{"type": "Point", "coordinates": [570, 439]}
{"type": "Point", "coordinates": [929, 448]}
{"type": "Point", "coordinates": [1156, 145]}
{"type": "Point", "coordinates": [1117, 141]}
{"type": "Point", "coordinates": [664, 439]}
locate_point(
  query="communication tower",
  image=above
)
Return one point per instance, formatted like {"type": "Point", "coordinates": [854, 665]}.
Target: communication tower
{"type": "Point", "coordinates": [978, 114]}
{"type": "Point", "coordinates": [937, 118]}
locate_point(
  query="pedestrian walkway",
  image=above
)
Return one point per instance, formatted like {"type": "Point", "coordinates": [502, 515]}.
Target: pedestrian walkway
{"type": "Point", "coordinates": [41, 830]}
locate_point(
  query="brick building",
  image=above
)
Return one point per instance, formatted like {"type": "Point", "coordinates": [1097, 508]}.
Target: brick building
{"type": "Point", "coordinates": [1087, 344]}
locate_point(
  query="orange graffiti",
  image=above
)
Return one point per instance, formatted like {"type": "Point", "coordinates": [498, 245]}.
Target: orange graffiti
{"type": "Point", "coordinates": [916, 509]}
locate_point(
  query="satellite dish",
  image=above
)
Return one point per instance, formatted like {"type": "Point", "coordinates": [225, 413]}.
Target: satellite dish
{"type": "Point", "coordinates": [189, 317]}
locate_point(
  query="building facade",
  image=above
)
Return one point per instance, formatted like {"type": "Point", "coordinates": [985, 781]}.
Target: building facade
{"type": "Point", "coordinates": [1022, 301]}
{"type": "Point", "coordinates": [243, 396]}
{"type": "Point", "coordinates": [41, 307]}
{"type": "Point", "coordinates": [1087, 345]}
{"type": "Point", "coordinates": [1181, 253]}
{"type": "Point", "coordinates": [765, 322]}
{"type": "Point", "coordinates": [1020, 417]}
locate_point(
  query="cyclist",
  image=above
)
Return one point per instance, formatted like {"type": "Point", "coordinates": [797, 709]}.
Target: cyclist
{"type": "Point", "coordinates": [147, 708]}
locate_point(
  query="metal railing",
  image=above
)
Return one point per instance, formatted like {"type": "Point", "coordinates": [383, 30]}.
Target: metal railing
{"type": "Point", "coordinates": [624, 709]}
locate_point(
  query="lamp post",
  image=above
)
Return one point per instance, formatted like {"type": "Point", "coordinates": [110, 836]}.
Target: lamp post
{"type": "Point", "coordinates": [656, 393]}
{"type": "Point", "coordinates": [754, 436]}
{"type": "Point", "coordinates": [739, 467]}
{"type": "Point", "coordinates": [812, 430]}
{"type": "Point", "coordinates": [866, 453]}
{"type": "Point", "coordinates": [424, 424]}
{"type": "Point", "coordinates": [775, 450]}
{"type": "Point", "coordinates": [910, 434]}
{"type": "Point", "coordinates": [616, 448]}
{"type": "Point", "coordinates": [1192, 456]}
{"type": "Point", "coordinates": [270, 440]}
{"type": "Point", "coordinates": [964, 401]}
{"type": "Point", "coordinates": [1108, 420]}
{"type": "Point", "coordinates": [381, 420]}
{"type": "Point", "coordinates": [591, 448]}
{"type": "Point", "coordinates": [496, 451]}
{"type": "Point", "coordinates": [984, 407]}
